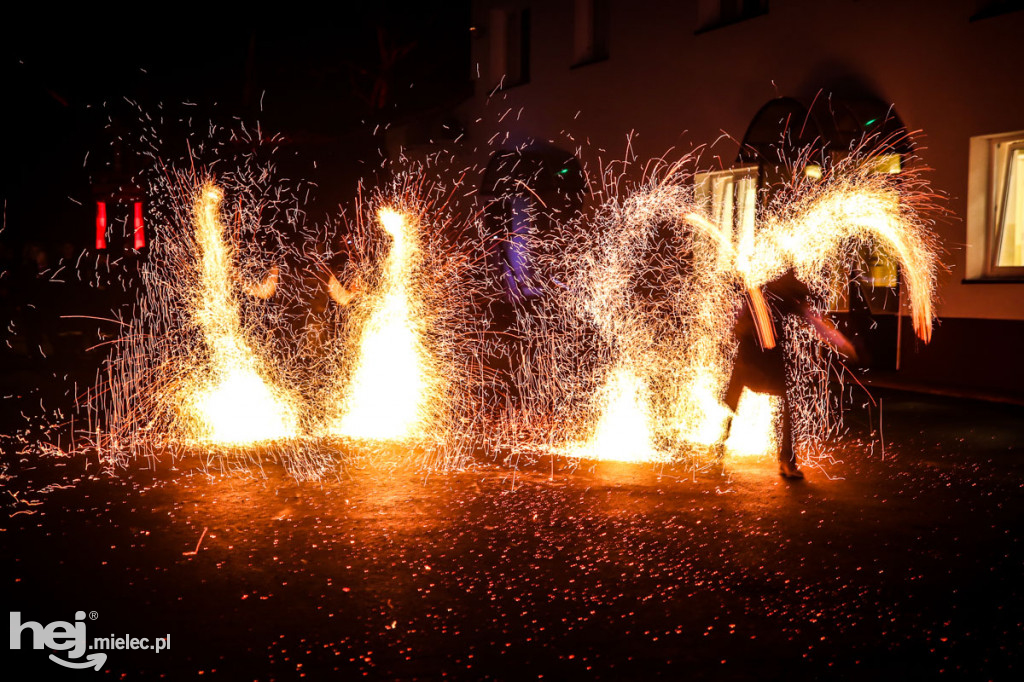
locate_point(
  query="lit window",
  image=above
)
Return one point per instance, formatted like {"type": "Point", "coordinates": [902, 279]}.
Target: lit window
{"type": "Point", "coordinates": [995, 209]}
{"type": "Point", "coordinates": [877, 269]}
{"type": "Point", "coordinates": [138, 228]}
{"type": "Point", "coordinates": [1009, 233]}
{"type": "Point", "coordinates": [510, 47]}
{"type": "Point", "coordinates": [730, 199]}
{"type": "Point", "coordinates": [590, 32]}
{"type": "Point", "coordinates": [101, 225]}
{"type": "Point", "coordinates": [886, 163]}
{"type": "Point", "coordinates": [882, 269]}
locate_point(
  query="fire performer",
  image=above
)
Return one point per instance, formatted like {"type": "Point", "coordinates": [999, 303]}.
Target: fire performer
{"type": "Point", "coordinates": [760, 362]}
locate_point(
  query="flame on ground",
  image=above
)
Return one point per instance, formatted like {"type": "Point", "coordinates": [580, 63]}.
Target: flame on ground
{"type": "Point", "coordinates": [624, 432]}
{"type": "Point", "coordinates": [753, 430]}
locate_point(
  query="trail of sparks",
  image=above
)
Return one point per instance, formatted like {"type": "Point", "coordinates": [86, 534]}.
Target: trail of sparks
{"type": "Point", "coordinates": [233, 402]}
{"type": "Point", "coordinates": [624, 358]}
{"type": "Point", "coordinates": [387, 395]}
{"type": "Point", "coordinates": [657, 280]}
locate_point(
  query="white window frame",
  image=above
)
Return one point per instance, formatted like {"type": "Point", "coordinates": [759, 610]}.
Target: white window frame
{"type": "Point", "coordinates": [739, 226]}
{"type": "Point", "coordinates": [986, 197]}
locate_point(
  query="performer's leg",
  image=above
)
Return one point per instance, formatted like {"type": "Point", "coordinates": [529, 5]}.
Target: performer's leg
{"type": "Point", "coordinates": [787, 454]}
{"type": "Point", "coordinates": [735, 388]}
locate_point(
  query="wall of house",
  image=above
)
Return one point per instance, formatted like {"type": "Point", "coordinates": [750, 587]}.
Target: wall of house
{"type": "Point", "coordinates": [675, 89]}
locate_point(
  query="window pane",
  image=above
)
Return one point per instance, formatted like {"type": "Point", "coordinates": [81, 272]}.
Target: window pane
{"type": "Point", "coordinates": [883, 271]}
{"type": "Point", "coordinates": [510, 47]}
{"type": "Point", "coordinates": [886, 163]}
{"type": "Point", "coordinates": [591, 28]}
{"type": "Point", "coordinates": [1011, 223]}
{"type": "Point", "coordinates": [702, 191]}
{"type": "Point", "coordinates": [881, 268]}
{"type": "Point", "coordinates": [746, 213]}
{"type": "Point", "coordinates": [499, 45]}
{"type": "Point", "coordinates": [519, 276]}
{"type": "Point", "coordinates": [721, 203]}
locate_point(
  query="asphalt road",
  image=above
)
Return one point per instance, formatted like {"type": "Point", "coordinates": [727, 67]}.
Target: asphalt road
{"type": "Point", "coordinates": [902, 567]}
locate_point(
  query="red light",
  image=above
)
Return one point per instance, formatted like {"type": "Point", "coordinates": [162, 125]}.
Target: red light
{"type": "Point", "coordinates": [101, 225]}
{"type": "Point", "coordinates": [140, 232]}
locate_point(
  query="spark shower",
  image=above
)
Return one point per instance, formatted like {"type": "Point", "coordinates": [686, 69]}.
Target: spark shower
{"type": "Point", "coordinates": [625, 356]}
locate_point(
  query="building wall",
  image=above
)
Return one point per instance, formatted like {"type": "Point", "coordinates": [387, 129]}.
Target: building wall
{"type": "Point", "coordinates": [677, 89]}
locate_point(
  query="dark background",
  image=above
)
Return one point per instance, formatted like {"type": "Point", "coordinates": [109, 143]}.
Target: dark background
{"type": "Point", "coordinates": [97, 101]}
{"type": "Point", "coordinates": [94, 82]}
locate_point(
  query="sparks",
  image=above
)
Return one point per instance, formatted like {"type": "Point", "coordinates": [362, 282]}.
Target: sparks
{"type": "Point", "coordinates": [657, 279]}
{"type": "Point", "coordinates": [386, 399]}
{"type": "Point", "coordinates": [232, 401]}
{"type": "Point", "coordinates": [624, 431]}
{"type": "Point", "coordinates": [625, 355]}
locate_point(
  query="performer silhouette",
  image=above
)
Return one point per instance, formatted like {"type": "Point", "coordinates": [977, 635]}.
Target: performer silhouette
{"type": "Point", "coordinates": [760, 363]}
